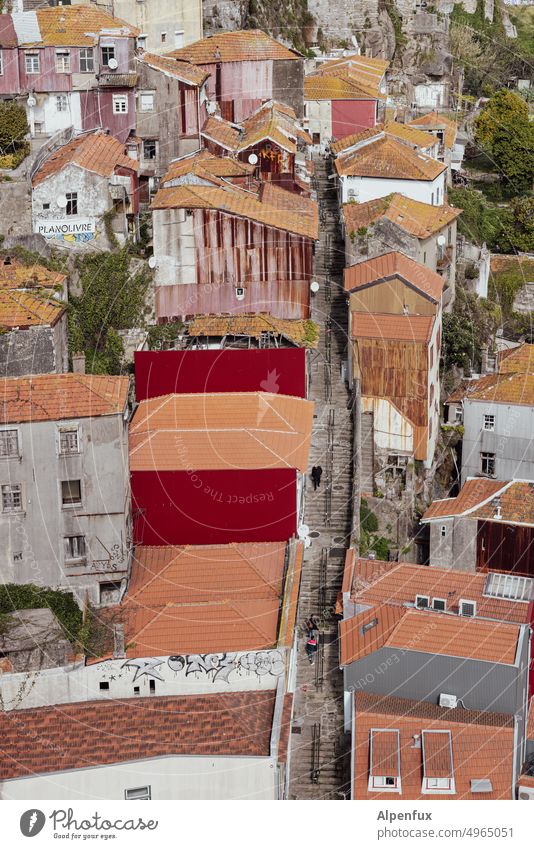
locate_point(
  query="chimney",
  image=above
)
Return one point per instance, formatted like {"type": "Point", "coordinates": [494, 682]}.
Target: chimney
{"type": "Point", "coordinates": [78, 363]}
{"type": "Point", "coordinates": [119, 648]}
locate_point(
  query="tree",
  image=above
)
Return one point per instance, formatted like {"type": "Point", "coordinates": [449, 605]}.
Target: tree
{"type": "Point", "coordinates": [513, 153]}
{"type": "Point", "coordinates": [13, 126]}
{"type": "Point", "coordinates": [461, 345]}
{"type": "Point", "coordinates": [504, 113]}
{"type": "Point", "coordinates": [112, 298]}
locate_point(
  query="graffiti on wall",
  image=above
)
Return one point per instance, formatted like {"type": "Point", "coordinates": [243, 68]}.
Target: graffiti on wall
{"type": "Point", "coordinates": [213, 667]}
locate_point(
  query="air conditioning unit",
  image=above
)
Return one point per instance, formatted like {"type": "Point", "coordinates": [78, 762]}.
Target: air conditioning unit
{"type": "Point", "coordinates": [239, 293]}
{"type": "Point", "coordinates": [526, 793]}
{"type": "Point", "coordinates": [447, 701]}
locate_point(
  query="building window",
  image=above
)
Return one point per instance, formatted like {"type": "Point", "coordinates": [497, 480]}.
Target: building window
{"type": "Point", "coordinates": [422, 601]}
{"type": "Point", "coordinates": [146, 102]}
{"type": "Point", "coordinates": [178, 39]}
{"type": "Point", "coordinates": [120, 104]}
{"type": "Point", "coordinates": [62, 103]}
{"type": "Point", "coordinates": [75, 548]}
{"type": "Point", "coordinates": [72, 203]}
{"type": "Point", "coordinates": [138, 793]}
{"type": "Point", "coordinates": [11, 498]}
{"type": "Point", "coordinates": [110, 592]}
{"type": "Point", "coordinates": [107, 54]}
{"type": "Point", "coordinates": [71, 493]}
{"type": "Point", "coordinates": [489, 422]}
{"type": "Point", "coordinates": [163, 37]}
{"type": "Point", "coordinates": [437, 783]}
{"type": "Point", "coordinates": [87, 60]}
{"type": "Point", "coordinates": [68, 440]}
{"type": "Point", "coordinates": [443, 530]}
{"type": "Point", "coordinates": [437, 196]}
{"type": "Point", "coordinates": [149, 149]}
{"type": "Point", "coordinates": [62, 62]}
{"type": "Point", "coordinates": [487, 463]}
{"type": "Point", "coordinates": [458, 414]}
{"type": "Point", "coordinates": [31, 61]}
{"type": "Point", "coordinates": [9, 443]}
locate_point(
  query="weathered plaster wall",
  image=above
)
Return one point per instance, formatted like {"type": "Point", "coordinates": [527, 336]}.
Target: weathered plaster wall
{"type": "Point", "coordinates": [37, 350]}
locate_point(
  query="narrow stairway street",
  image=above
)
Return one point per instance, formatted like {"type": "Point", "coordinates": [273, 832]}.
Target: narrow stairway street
{"type": "Point", "coordinates": [318, 745]}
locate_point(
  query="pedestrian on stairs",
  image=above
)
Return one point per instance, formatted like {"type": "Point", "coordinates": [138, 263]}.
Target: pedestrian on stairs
{"type": "Point", "coordinates": [311, 648]}
{"type": "Point", "coordinates": [316, 473]}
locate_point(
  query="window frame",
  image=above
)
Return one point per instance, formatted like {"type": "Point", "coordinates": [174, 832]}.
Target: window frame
{"type": "Point", "coordinates": [137, 798]}
{"type": "Point", "coordinates": [87, 55]}
{"type": "Point", "coordinates": [13, 488]}
{"type": "Point", "coordinates": [60, 55]}
{"type": "Point", "coordinates": [63, 431]}
{"type": "Point", "coordinates": [33, 56]}
{"type": "Point", "coordinates": [109, 51]}
{"type": "Point", "coordinates": [488, 457]}
{"type": "Point", "coordinates": [81, 556]}
{"type": "Point", "coordinates": [69, 505]}
{"type": "Point", "coordinates": [72, 203]}
{"type": "Point", "coordinates": [145, 94]}
{"type": "Point", "coordinates": [485, 421]}
{"type": "Point", "coordinates": [155, 143]}
{"type": "Point", "coordinates": [62, 98]}
{"type": "Point", "coordinates": [17, 454]}
{"type": "Point", "coordinates": [120, 99]}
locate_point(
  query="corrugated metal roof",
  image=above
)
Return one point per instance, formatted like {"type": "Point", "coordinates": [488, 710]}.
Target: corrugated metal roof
{"type": "Point", "coordinates": [26, 27]}
{"type": "Point", "coordinates": [285, 299]}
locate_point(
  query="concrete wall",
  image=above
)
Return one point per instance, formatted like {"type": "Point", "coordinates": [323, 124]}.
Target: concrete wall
{"type": "Point", "coordinates": [170, 777]}
{"type": "Point", "coordinates": [174, 247]}
{"type": "Point", "coordinates": [32, 548]}
{"type": "Point", "coordinates": [16, 208]}
{"type": "Point", "coordinates": [177, 675]}
{"type": "Point", "coordinates": [392, 431]}
{"type": "Point", "coordinates": [288, 84]}
{"type": "Point", "coordinates": [456, 548]}
{"type": "Point", "coordinates": [37, 350]}
{"type": "Point", "coordinates": [511, 441]}
{"type": "Point", "coordinates": [370, 188]}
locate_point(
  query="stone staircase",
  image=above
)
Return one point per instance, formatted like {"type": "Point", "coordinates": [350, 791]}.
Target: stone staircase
{"type": "Point", "coordinates": [318, 745]}
{"type": "Point", "coordinates": [367, 454]}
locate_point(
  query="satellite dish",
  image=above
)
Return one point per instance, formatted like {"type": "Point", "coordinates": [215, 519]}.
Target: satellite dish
{"type": "Point", "coordinates": [113, 64]}
{"type": "Point", "coordinates": [211, 107]}
{"type": "Point", "coordinates": [31, 101]}
{"type": "Point", "coordinates": [442, 240]}
{"type": "Point", "coordinates": [62, 201]}
{"type": "Point", "coordinates": [152, 262]}
{"type": "Point", "coordinates": [253, 159]}
{"type": "Point", "coordinates": [314, 287]}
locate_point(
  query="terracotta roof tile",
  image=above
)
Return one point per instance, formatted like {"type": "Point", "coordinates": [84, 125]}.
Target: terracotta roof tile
{"type": "Point", "coordinates": [513, 505]}
{"type": "Point", "coordinates": [435, 121]}
{"type": "Point", "coordinates": [419, 219]}
{"type": "Point", "coordinates": [398, 328]}
{"type": "Point", "coordinates": [389, 158]}
{"type": "Point", "coordinates": [378, 582]}
{"type": "Point", "coordinates": [22, 309]}
{"type": "Point", "coordinates": [184, 71]}
{"type": "Point", "coordinates": [236, 46]}
{"type": "Point", "coordinates": [267, 122]}
{"type": "Point", "coordinates": [255, 325]}
{"type": "Point", "coordinates": [393, 265]}
{"type": "Point", "coordinates": [79, 27]}
{"type": "Point", "coordinates": [233, 430]}
{"type": "Point", "coordinates": [96, 152]}
{"type": "Point", "coordinates": [16, 275]}
{"type": "Point", "coordinates": [473, 492]}
{"type": "Point", "coordinates": [50, 397]}
{"type": "Point", "coordinates": [516, 360]}
{"type": "Point", "coordinates": [428, 632]}
{"type": "Point", "coordinates": [274, 208]}
{"type": "Point", "coordinates": [505, 388]}
{"type": "Point", "coordinates": [482, 747]}
{"type": "Point", "coordinates": [204, 164]}
{"type": "Point", "coordinates": [346, 78]}
{"type": "Point", "coordinates": [86, 734]}
{"type": "Point", "coordinates": [402, 132]}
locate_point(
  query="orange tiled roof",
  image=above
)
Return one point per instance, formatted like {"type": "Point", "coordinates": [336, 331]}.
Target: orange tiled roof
{"type": "Point", "coordinates": [482, 747]}
{"type": "Point", "coordinates": [388, 158]}
{"type": "Point", "coordinates": [195, 574]}
{"type": "Point", "coordinates": [49, 397]}
{"type": "Point", "coordinates": [269, 121]}
{"type": "Point", "coordinates": [515, 360]}
{"type": "Point", "coordinates": [504, 388]}
{"type": "Point", "coordinates": [70, 26]}
{"type": "Point", "coordinates": [346, 78]}
{"type": "Point", "coordinates": [184, 71]}
{"type": "Point", "coordinates": [402, 132]}
{"type": "Point", "coordinates": [435, 121]}
{"type": "Point", "coordinates": [419, 219]}
{"type": "Point", "coordinates": [387, 327]}
{"type": "Point", "coordinates": [87, 734]}
{"type": "Point", "coordinates": [380, 269]}
{"type": "Point", "coordinates": [22, 309]}
{"type": "Point", "coordinates": [428, 632]}
{"type": "Point", "coordinates": [291, 213]}
{"type": "Point", "coordinates": [468, 385]}
{"type": "Point", "coordinates": [204, 164]}
{"type": "Point", "coordinates": [250, 430]}
{"type": "Point", "coordinates": [513, 505]}
{"type": "Point", "coordinates": [377, 582]}
{"type": "Point", "coordinates": [473, 493]}
{"type": "Point", "coordinates": [96, 152]}
{"type": "Point", "coordinates": [237, 46]}
{"type": "Point", "coordinates": [16, 275]}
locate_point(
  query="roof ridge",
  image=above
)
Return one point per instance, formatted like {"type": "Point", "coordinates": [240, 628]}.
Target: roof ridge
{"type": "Point", "coordinates": [238, 606]}
{"type": "Point", "coordinates": [254, 567]}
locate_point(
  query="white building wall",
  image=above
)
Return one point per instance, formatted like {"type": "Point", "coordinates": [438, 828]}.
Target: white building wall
{"type": "Point", "coordinates": [392, 430]}
{"type": "Point", "coordinates": [431, 95]}
{"type": "Point", "coordinates": [171, 777]}
{"type": "Point", "coordinates": [511, 440]}
{"type": "Point", "coordinates": [175, 675]}
{"type": "Point", "coordinates": [362, 189]}
{"type": "Point", "coordinates": [319, 114]}
{"type": "Point", "coordinates": [174, 246]}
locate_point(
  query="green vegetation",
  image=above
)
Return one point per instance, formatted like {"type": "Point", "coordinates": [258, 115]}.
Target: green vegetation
{"type": "Point", "coordinates": [30, 597]}
{"type": "Point", "coordinates": [472, 321]}
{"type": "Point", "coordinates": [112, 298]}
{"type": "Point", "coordinates": [160, 335]}
{"type": "Point", "coordinates": [506, 136]}
{"type": "Point", "coordinates": [480, 222]}
{"type": "Point", "coordinates": [13, 130]}
{"type": "Point", "coordinates": [369, 538]}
